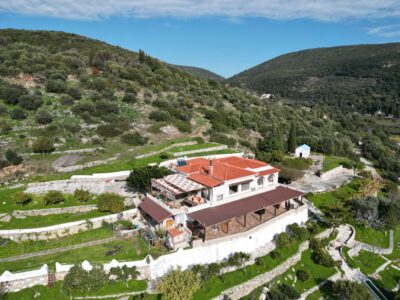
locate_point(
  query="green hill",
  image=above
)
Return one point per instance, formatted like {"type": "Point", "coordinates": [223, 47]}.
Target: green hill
{"type": "Point", "coordinates": [201, 73]}
{"type": "Point", "coordinates": [65, 92]}
{"type": "Point", "coordinates": [362, 77]}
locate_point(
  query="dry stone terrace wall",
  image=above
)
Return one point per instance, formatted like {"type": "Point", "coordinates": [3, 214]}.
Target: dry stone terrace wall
{"type": "Point", "coordinates": [53, 211]}
{"type": "Point", "coordinates": [61, 230]}
{"type": "Point", "coordinates": [340, 170]}
{"type": "Point", "coordinates": [216, 148]}
{"type": "Point", "coordinates": [166, 149]}
{"type": "Point", "coordinates": [93, 185]}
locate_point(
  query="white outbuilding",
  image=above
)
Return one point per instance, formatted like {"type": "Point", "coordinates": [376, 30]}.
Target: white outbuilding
{"type": "Point", "coordinates": [302, 151]}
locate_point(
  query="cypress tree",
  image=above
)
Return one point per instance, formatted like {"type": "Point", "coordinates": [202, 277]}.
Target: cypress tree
{"type": "Point", "coordinates": [292, 139]}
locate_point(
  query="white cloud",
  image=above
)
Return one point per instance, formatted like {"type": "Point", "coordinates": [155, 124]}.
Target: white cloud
{"type": "Point", "coordinates": [388, 31]}
{"type": "Point", "coordinates": [321, 10]}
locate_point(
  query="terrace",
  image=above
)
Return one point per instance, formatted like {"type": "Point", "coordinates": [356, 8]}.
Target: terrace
{"type": "Point", "coordinates": [242, 215]}
{"type": "Point", "coordinates": [178, 191]}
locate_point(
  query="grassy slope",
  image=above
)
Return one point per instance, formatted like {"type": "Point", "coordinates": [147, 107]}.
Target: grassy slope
{"type": "Point", "coordinates": [45, 293]}
{"type": "Point", "coordinates": [120, 250]}
{"type": "Point", "coordinates": [215, 285]}
{"type": "Point", "coordinates": [14, 249]}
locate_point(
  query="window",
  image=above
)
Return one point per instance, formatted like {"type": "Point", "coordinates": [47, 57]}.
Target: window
{"type": "Point", "coordinates": [271, 178]}
{"type": "Point", "coordinates": [260, 181]}
{"type": "Point", "coordinates": [233, 189]}
{"type": "Point", "coordinates": [220, 197]}
{"type": "Point", "coordinates": [245, 186]}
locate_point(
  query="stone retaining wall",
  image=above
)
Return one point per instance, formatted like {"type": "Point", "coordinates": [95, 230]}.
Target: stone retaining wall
{"type": "Point", "coordinates": [166, 148]}
{"type": "Point", "coordinates": [61, 230]}
{"type": "Point", "coordinates": [21, 280]}
{"type": "Point", "coordinates": [244, 289]}
{"type": "Point", "coordinates": [216, 148]}
{"type": "Point", "coordinates": [83, 166]}
{"type": "Point", "coordinates": [53, 211]}
{"type": "Point", "coordinates": [335, 172]}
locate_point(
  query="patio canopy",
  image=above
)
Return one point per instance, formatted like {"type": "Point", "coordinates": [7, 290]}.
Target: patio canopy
{"type": "Point", "coordinates": [221, 213]}
{"type": "Point", "coordinates": [176, 184]}
{"type": "Point", "coordinates": [154, 210]}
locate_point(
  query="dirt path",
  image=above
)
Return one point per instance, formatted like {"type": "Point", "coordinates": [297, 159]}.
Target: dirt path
{"type": "Point", "coordinates": [58, 250]}
{"type": "Point", "coordinates": [370, 167]}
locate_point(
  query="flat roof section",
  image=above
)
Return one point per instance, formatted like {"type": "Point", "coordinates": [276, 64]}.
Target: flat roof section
{"type": "Point", "coordinates": [221, 213]}
{"type": "Point", "coordinates": [154, 210]}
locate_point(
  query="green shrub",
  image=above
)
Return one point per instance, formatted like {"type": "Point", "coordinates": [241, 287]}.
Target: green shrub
{"type": "Point", "coordinates": [74, 92]}
{"type": "Point", "coordinates": [129, 98]}
{"type": "Point", "coordinates": [298, 232]}
{"type": "Point", "coordinates": [302, 275]}
{"type": "Point", "coordinates": [109, 130]}
{"type": "Point", "coordinates": [110, 202]}
{"type": "Point", "coordinates": [320, 257]}
{"type": "Point", "coordinates": [30, 102]}
{"type": "Point", "coordinates": [10, 93]}
{"type": "Point", "coordinates": [160, 115]}
{"type": "Point", "coordinates": [82, 195]}
{"type": "Point", "coordinates": [43, 145]}
{"type": "Point", "coordinates": [44, 117]}
{"type": "Point", "coordinates": [222, 139]}
{"type": "Point", "coordinates": [275, 254]}
{"type": "Point", "coordinates": [140, 177]}
{"type": "Point", "coordinates": [56, 86]}
{"type": "Point", "coordinates": [18, 114]}
{"type": "Point", "coordinates": [134, 139]}
{"type": "Point", "coordinates": [22, 198]}
{"type": "Point", "coordinates": [53, 197]}
{"type": "Point", "coordinates": [67, 100]}
{"type": "Point", "coordinates": [13, 157]}
{"type": "Point", "coordinates": [282, 240]}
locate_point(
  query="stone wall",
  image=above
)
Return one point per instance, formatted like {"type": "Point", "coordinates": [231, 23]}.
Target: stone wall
{"type": "Point", "coordinates": [244, 289]}
{"type": "Point", "coordinates": [83, 166]}
{"type": "Point", "coordinates": [166, 149]}
{"type": "Point", "coordinates": [94, 186]}
{"type": "Point", "coordinates": [53, 211]}
{"type": "Point", "coordinates": [61, 230]}
{"type": "Point", "coordinates": [335, 172]}
{"type": "Point", "coordinates": [216, 148]}
{"type": "Point", "coordinates": [21, 280]}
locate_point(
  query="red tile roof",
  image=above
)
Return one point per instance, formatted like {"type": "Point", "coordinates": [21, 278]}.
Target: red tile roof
{"type": "Point", "coordinates": [154, 210]}
{"type": "Point", "coordinates": [174, 232]}
{"type": "Point", "coordinates": [214, 172]}
{"type": "Point", "coordinates": [269, 171]}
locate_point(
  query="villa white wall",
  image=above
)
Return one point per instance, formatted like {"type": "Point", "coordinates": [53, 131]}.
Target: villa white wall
{"type": "Point", "coordinates": [215, 251]}
{"type": "Point", "coordinates": [254, 189]}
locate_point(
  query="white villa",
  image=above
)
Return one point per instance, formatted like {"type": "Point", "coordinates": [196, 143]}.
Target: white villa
{"type": "Point", "coordinates": [214, 198]}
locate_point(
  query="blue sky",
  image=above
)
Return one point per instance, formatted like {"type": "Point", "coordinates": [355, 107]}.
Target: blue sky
{"type": "Point", "coordinates": [227, 37]}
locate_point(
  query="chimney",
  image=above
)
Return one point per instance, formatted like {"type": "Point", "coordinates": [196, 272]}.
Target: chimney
{"type": "Point", "coordinates": [210, 168]}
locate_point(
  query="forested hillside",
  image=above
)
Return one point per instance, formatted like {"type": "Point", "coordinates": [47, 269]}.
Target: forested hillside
{"type": "Point", "coordinates": [61, 91]}
{"type": "Point", "coordinates": [200, 73]}
{"type": "Point", "coordinates": [361, 77]}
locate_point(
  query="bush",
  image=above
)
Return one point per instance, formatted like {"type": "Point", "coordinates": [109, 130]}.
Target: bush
{"type": "Point", "coordinates": [110, 202]}
{"type": "Point", "coordinates": [18, 114]}
{"type": "Point", "coordinates": [78, 280]}
{"type": "Point", "coordinates": [223, 139]}
{"type": "Point", "coordinates": [22, 198]}
{"type": "Point", "coordinates": [53, 197]}
{"type": "Point", "coordinates": [160, 115]}
{"type": "Point", "coordinates": [319, 256]}
{"type": "Point", "coordinates": [289, 291]}
{"type": "Point", "coordinates": [297, 232]}
{"type": "Point", "coordinates": [82, 195]}
{"type": "Point", "coordinates": [44, 117]}
{"type": "Point", "coordinates": [43, 145]}
{"type": "Point", "coordinates": [56, 86]}
{"type": "Point", "coordinates": [134, 139]}
{"type": "Point", "coordinates": [282, 240]}
{"type": "Point", "coordinates": [140, 177]}
{"type": "Point", "coordinates": [13, 157]}
{"type": "Point", "coordinates": [74, 92]}
{"type": "Point", "coordinates": [302, 275]}
{"type": "Point", "coordinates": [275, 255]}
{"type": "Point", "coordinates": [10, 93]}
{"type": "Point", "coordinates": [108, 130]}
{"type": "Point", "coordinates": [30, 102]}
{"type": "Point", "coordinates": [129, 98]}
{"type": "Point", "coordinates": [67, 100]}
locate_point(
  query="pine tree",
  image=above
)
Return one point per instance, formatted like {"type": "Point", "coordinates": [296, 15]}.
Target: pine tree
{"type": "Point", "coordinates": [292, 139]}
